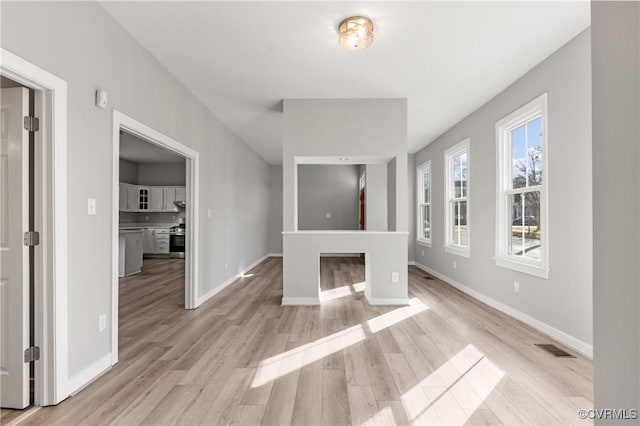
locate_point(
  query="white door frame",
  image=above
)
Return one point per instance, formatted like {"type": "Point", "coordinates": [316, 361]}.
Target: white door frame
{"type": "Point", "coordinates": [51, 372]}
{"type": "Point", "coordinates": [130, 125]}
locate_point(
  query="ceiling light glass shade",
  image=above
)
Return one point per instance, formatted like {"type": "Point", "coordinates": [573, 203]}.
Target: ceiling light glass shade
{"type": "Point", "coordinates": [356, 33]}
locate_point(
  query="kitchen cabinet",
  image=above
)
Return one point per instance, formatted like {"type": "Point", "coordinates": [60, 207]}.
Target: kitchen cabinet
{"type": "Point", "coordinates": [149, 241]}
{"type": "Point", "coordinates": [129, 197]}
{"type": "Point", "coordinates": [130, 252]}
{"type": "Point", "coordinates": [138, 198]}
{"type": "Point", "coordinates": [169, 194]}
{"type": "Point", "coordinates": [156, 198]}
{"type": "Point", "coordinates": [162, 240]}
{"type": "Point", "coordinates": [181, 193]}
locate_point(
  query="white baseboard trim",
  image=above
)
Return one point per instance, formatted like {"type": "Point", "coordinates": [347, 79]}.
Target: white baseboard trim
{"type": "Point", "coordinates": [208, 295]}
{"type": "Point", "coordinates": [411, 263]}
{"type": "Point", "coordinates": [574, 343]}
{"type": "Point", "coordinates": [387, 301]}
{"type": "Point", "coordinates": [88, 374]}
{"type": "Point", "coordinates": [339, 254]}
{"type": "Point", "coordinates": [274, 255]}
{"type": "Point", "coordinates": [300, 301]}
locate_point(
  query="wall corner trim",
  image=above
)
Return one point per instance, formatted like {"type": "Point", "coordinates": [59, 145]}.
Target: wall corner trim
{"type": "Point", "coordinates": [89, 374]}
{"type": "Point", "coordinates": [208, 295]}
{"type": "Point", "coordinates": [562, 337]}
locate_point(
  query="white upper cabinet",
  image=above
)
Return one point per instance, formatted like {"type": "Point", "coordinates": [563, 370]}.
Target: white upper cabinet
{"type": "Point", "coordinates": [181, 193]}
{"type": "Point", "coordinates": [156, 198]}
{"type": "Point", "coordinates": [135, 198]}
{"type": "Point", "coordinates": [129, 197]}
{"type": "Point", "coordinates": [169, 198]}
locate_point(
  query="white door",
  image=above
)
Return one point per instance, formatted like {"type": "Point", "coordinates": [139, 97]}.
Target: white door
{"type": "Point", "coordinates": [14, 255]}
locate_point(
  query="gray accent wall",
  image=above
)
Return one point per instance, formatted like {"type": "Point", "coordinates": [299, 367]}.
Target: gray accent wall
{"type": "Point", "coordinates": [170, 174]}
{"type": "Point", "coordinates": [86, 47]}
{"type": "Point", "coordinates": [615, 51]}
{"type": "Point", "coordinates": [412, 208]}
{"type": "Point", "coordinates": [128, 172]}
{"type": "Point", "coordinates": [563, 302]}
{"type": "Point", "coordinates": [328, 189]}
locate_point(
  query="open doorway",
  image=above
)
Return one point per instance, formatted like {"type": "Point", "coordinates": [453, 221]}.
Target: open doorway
{"type": "Point", "coordinates": [155, 222]}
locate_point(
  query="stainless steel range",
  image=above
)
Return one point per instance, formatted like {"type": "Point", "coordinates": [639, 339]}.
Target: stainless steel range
{"type": "Point", "coordinates": [177, 241]}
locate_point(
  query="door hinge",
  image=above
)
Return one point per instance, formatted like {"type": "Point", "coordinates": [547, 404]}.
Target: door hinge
{"type": "Point", "coordinates": [31, 238]}
{"type": "Point", "coordinates": [31, 124]}
{"type": "Point", "coordinates": [32, 354]}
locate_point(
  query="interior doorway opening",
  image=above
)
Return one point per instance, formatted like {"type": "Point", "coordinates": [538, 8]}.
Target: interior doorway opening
{"type": "Point", "coordinates": [342, 277]}
{"type": "Point", "coordinates": [155, 220]}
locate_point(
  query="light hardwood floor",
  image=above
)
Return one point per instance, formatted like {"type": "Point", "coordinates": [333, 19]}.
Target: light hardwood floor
{"type": "Point", "coordinates": [241, 358]}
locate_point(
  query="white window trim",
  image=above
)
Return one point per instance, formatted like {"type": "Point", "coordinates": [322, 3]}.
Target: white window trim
{"type": "Point", "coordinates": [535, 108]}
{"type": "Point", "coordinates": [420, 191]}
{"type": "Point", "coordinates": [449, 247]}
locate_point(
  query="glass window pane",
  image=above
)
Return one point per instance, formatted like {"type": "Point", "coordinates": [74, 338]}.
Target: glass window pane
{"type": "Point", "coordinates": [463, 173]}
{"type": "Point", "coordinates": [518, 157]}
{"type": "Point", "coordinates": [427, 185]}
{"type": "Point", "coordinates": [525, 225]}
{"type": "Point", "coordinates": [534, 152]}
{"type": "Point", "coordinates": [460, 175]}
{"type": "Point", "coordinates": [424, 220]}
{"type": "Point", "coordinates": [459, 231]}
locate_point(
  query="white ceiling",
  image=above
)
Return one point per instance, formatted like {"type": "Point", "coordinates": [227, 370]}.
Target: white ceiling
{"type": "Point", "coordinates": [447, 58]}
{"type": "Point", "coordinates": [137, 150]}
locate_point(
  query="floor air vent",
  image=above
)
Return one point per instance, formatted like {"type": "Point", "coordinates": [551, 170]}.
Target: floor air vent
{"type": "Point", "coordinates": [554, 350]}
{"type": "Point", "coordinates": [427, 277]}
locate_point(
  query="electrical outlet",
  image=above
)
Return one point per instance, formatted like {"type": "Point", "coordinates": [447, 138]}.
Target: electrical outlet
{"type": "Point", "coordinates": [395, 277]}
{"type": "Point", "coordinates": [454, 265]}
{"type": "Point", "coordinates": [102, 322]}
{"type": "Point", "coordinates": [209, 213]}
{"type": "Point", "coordinates": [516, 286]}
{"type": "Point", "coordinates": [328, 215]}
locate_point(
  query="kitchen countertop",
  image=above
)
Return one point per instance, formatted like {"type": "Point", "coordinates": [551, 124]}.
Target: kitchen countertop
{"type": "Point", "coordinates": [129, 230]}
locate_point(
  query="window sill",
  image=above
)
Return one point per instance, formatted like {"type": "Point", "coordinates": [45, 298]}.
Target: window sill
{"type": "Point", "coordinates": [526, 268]}
{"type": "Point", "coordinates": [424, 243]}
{"type": "Point", "coordinates": [464, 252]}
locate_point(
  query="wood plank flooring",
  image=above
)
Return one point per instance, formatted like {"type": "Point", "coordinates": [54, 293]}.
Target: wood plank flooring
{"type": "Point", "coordinates": [241, 358]}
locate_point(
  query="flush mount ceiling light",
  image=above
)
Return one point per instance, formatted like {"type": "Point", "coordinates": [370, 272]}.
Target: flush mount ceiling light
{"type": "Point", "coordinates": [356, 33]}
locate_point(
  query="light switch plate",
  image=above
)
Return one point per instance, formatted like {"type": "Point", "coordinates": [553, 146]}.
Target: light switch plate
{"type": "Point", "coordinates": [91, 206]}
{"type": "Point", "coordinates": [395, 277]}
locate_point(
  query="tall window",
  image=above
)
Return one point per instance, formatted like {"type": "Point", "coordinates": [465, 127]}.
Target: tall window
{"type": "Point", "coordinates": [423, 186]}
{"type": "Point", "coordinates": [521, 240]}
{"type": "Point", "coordinates": [457, 198]}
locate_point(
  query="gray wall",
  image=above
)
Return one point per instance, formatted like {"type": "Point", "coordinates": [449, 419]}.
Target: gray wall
{"type": "Point", "coordinates": [128, 172]}
{"type": "Point", "coordinates": [615, 29]}
{"type": "Point", "coordinates": [324, 188]}
{"type": "Point", "coordinates": [376, 208]}
{"type": "Point", "coordinates": [274, 227]}
{"type": "Point", "coordinates": [564, 300]}
{"type": "Point", "coordinates": [391, 195]}
{"type": "Point", "coordinates": [170, 174]}
{"type": "Point", "coordinates": [411, 189]}
{"type": "Point", "coordinates": [82, 44]}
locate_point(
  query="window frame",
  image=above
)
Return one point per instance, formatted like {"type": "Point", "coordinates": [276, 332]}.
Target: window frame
{"type": "Point", "coordinates": [536, 108]}
{"type": "Point", "coordinates": [449, 199]}
{"type": "Point", "coordinates": [420, 202]}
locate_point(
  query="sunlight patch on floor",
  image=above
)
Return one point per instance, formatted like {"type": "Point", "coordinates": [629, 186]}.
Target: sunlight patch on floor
{"type": "Point", "coordinates": [338, 292]}
{"type": "Point", "coordinates": [452, 393]}
{"type": "Point", "coordinates": [280, 365]}
{"type": "Point", "coordinates": [397, 315]}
